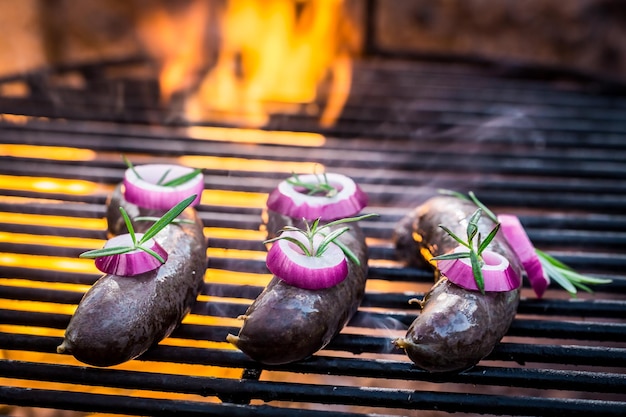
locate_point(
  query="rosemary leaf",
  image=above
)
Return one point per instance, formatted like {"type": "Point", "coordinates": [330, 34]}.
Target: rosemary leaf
{"type": "Point", "coordinates": [554, 274]}
{"type": "Point", "coordinates": [153, 253]}
{"type": "Point", "coordinates": [479, 204]}
{"type": "Point", "coordinates": [131, 166]}
{"type": "Point", "coordinates": [98, 253]}
{"type": "Point", "coordinates": [167, 171]}
{"type": "Point", "coordinates": [166, 219]}
{"type": "Point", "coordinates": [478, 271]}
{"type": "Point", "coordinates": [483, 245]}
{"type": "Point", "coordinates": [472, 227]}
{"type": "Point", "coordinates": [182, 179]}
{"type": "Point", "coordinates": [451, 256]}
{"type": "Point", "coordinates": [455, 237]}
{"type": "Point", "coordinates": [314, 226]}
{"type": "Point", "coordinates": [330, 238]}
{"type": "Point", "coordinates": [295, 241]}
{"type": "Point", "coordinates": [129, 225]}
{"type": "Point", "coordinates": [349, 254]}
{"type": "Point", "coordinates": [322, 186]}
{"type": "Point", "coordinates": [452, 193]}
{"type": "Point", "coordinates": [349, 220]}
{"type": "Point", "coordinates": [552, 260]}
{"type": "Point", "coordinates": [575, 277]}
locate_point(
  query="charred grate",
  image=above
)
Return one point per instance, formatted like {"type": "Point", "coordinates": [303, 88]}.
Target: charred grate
{"type": "Point", "coordinates": [555, 156]}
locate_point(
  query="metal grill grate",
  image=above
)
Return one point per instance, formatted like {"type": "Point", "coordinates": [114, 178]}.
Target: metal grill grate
{"type": "Point", "coordinates": [553, 154]}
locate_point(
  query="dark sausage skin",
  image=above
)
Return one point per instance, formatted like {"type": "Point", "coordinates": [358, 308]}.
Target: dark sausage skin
{"type": "Point", "coordinates": [287, 324]}
{"type": "Point", "coordinates": [456, 328]}
{"type": "Point", "coordinates": [119, 318]}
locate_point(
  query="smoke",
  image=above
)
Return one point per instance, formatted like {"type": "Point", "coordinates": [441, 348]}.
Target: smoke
{"type": "Point", "coordinates": [382, 325]}
{"type": "Point", "coordinates": [461, 157]}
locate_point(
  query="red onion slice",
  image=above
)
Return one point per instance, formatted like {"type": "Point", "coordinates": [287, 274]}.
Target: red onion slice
{"type": "Point", "coordinates": [498, 274]}
{"type": "Point", "coordinates": [130, 263]}
{"type": "Point", "coordinates": [515, 234]}
{"type": "Point", "coordinates": [286, 261]}
{"type": "Point", "coordinates": [145, 192]}
{"type": "Point", "coordinates": [288, 200]}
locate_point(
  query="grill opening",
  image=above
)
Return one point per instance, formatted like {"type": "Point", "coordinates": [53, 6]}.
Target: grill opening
{"type": "Point", "coordinates": [553, 153]}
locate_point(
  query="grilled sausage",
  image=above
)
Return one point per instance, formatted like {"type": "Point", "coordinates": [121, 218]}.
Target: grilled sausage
{"type": "Point", "coordinates": [456, 328]}
{"type": "Point", "coordinates": [119, 318]}
{"type": "Point", "coordinates": [286, 324]}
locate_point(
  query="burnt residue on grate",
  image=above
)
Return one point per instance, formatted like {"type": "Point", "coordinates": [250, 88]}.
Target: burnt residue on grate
{"type": "Point", "coordinates": [556, 157]}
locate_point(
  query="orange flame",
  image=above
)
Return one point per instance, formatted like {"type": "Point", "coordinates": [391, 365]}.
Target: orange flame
{"type": "Point", "coordinates": [273, 56]}
{"type": "Point", "coordinates": [176, 39]}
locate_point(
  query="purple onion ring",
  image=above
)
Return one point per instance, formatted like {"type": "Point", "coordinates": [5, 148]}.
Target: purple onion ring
{"type": "Point", "coordinates": [130, 263]}
{"type": "Point", "coordinates": [498, 274]}
{"type": "Point", "coordinates": [286, 199]}
{"type": "Point", "coordinates": [286, 261]}
{"type": "Point", "coordinates": [146, 193]}
{"type": "Point", "coordinates": [519, 241]}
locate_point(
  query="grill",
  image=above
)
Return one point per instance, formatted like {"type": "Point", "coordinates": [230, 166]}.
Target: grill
{"type": "Point", "coordinates": [551, 151]}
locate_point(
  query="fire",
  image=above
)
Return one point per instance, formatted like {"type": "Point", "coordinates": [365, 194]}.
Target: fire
{"type": "Point", "coordinates": [273, 56]}
{"type": "Point", "coordinates": [175, 38]}
{"type": "Point", "coordinates": [256, 136]}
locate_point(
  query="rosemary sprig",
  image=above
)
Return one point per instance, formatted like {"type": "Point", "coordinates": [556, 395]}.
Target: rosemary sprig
{"type": "Point", "coordinates": [159, 225]}
{"type": "Point", "coordinates": [171, 183]}
{"type": "Point", "coordinates": [321, 187]}
{"type": "Point", "coordinates": [474, 250]}
{"type": "Point", "coordinates": [314, 229]}
{"type": "Point", "coordinates": [562, 274]}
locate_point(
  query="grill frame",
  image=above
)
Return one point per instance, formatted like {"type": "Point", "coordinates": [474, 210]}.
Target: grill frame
{"type": "Point", "coordinates": [572, 334]}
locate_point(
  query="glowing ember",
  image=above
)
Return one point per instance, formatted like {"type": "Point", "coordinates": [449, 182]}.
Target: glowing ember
{"type": "Point", "coordinates": [248, 165]}
{"type": "Point", "coordinates": [233, 198]}
{"type": "Point", "coordinates": [51, 185]}
{"type": "Point", "coordinates": [59, 153]}
{"type": "Point", "coordinates": [222, 134]}
{"type": "Point", "coordinates": [53, 221]}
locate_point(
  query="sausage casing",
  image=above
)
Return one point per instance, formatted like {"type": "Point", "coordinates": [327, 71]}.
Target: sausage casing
{"type": "Point", "coordinates": [286, 323]}
{"type": "Point", "coordinates": [119, 318]}
{"type": "Point", "coordinates": [456, 328]}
